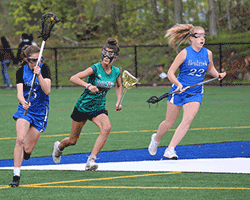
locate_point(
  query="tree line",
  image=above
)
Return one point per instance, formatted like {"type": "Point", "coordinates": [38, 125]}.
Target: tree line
{"type": "Point", "coordinates": [140, 20]}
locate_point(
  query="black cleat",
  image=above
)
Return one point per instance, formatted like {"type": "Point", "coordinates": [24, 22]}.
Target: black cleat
{"type": "Point", "coordinates": [15, 181]}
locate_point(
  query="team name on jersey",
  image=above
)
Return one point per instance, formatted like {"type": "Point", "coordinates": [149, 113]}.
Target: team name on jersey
{"type": "Point", "coordinates": [29, 83]}
{"type": "Point", "coordinates": [105, 84]}
{"type": "Point", "coordinates": [197, 63]}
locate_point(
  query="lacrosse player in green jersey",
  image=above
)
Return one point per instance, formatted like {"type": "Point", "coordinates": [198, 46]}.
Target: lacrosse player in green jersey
{"type": "Point", "coordinates": [102, 76]}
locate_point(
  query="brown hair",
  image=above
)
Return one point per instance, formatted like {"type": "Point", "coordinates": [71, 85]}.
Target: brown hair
{"type": "Point", "coordinates": [180, 33]}
{"type": "Point", "coordinates": [112, 43]}
{"type": "Point", "coordinates": [27, 50]}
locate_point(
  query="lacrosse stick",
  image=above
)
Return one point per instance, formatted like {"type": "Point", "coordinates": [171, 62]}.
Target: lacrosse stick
{"type": "Point", "coordinates": [48, 21]}
{"type": "Point", "coordinates": [155, 99]}
{"type": "Point", "coordinates": [129, 81]}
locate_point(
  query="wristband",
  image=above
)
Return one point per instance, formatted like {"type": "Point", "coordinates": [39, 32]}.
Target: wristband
{"type": "Point", "coordinates": [88, 85]}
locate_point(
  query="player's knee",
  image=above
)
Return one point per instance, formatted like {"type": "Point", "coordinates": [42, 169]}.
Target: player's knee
{"type": "Point", "coordinates": [20, 141]}
{"type": "Point", "coordinates": [106, 129]}
{"type": "Point", "coordinates": [168, 124]}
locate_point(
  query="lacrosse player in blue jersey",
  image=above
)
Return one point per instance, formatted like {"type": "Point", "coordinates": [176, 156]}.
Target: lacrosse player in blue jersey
{"type": "Point", "coordinates": [193, 62]}
{"type": "Point", "coordinates": [30, 126]}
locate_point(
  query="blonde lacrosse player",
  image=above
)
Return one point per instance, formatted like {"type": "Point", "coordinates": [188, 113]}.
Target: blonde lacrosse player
{"type": "Point", "coordinates": [102, 76]}
{"type": "Point", "coordinates": [193, 62]}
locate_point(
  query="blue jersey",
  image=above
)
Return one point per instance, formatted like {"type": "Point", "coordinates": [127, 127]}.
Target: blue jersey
{"type": "Point", "coordinates": [39, 100]}
{"type": "Point", "coordinates": [192, 70]}
{"type": "Point", "coordinates": [37, 114]}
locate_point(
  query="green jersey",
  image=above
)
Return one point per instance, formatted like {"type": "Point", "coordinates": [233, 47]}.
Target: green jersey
{"type": "Point", "coordinates": [90, 102]}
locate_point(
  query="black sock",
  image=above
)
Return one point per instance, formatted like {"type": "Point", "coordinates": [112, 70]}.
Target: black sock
{"type": "Point", "coordinates": [26, 156]}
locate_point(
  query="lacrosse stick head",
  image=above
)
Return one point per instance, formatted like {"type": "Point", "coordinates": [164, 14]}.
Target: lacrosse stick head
{"type": "Point", "coordinates": [129, 80]}
{"type": "Point", "coordinates": [153, 100]}
{"type": "Point", "coordinates": [48, 21]}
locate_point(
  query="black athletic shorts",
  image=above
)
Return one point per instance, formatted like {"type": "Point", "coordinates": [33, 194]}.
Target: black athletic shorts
{"type": "Point", "coordinates": [83, 116]}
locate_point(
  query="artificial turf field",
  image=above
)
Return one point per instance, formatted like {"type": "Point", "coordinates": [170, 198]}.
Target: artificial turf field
{"type": "Point", "coordinates": [223, 117]}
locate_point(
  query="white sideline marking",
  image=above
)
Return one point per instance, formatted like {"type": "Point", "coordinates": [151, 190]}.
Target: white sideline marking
{"type": "Point", "coordinates": [224, 165]}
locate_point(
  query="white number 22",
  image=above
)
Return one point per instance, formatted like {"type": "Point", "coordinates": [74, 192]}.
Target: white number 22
{"type": "Point", "coordinates": [195, 72]}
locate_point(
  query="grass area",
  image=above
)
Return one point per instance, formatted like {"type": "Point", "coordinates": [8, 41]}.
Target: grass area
{"type": "Point", "coordinates": [126, 185]}
{"type": "Point", "coordinates": [221, 118]}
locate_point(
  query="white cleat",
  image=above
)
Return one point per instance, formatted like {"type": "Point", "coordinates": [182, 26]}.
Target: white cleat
{"type": "Point", "coordinates": [91, 165]}
{"type": "Point", "coordinates": [170, 153]}
{"type": "Point", "coordinates": [152, 148]}
{"type": "Point", "coordinates": [56, 155]}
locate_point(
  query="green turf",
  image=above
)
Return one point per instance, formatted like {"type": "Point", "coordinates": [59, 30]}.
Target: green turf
{"type": "Point", "coordinates": [125, 185]}
{"type": "Point", "coordinates": [223, 117]}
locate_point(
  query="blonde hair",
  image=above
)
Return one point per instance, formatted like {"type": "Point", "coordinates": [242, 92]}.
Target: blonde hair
{"type": "Point", "coordinates": [180, 33]}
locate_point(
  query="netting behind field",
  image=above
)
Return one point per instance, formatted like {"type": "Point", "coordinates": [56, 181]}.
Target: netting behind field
{"type": "Point", "coordinates": [148, 63]}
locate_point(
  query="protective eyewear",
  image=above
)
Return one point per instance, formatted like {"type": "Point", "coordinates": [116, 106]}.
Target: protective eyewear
{"type": "Point", "coordinates": [109, 54]}
{"type": "Point", "coordinates": [32, 60]}
{"type": "Point", "coordinates": [198, 35]}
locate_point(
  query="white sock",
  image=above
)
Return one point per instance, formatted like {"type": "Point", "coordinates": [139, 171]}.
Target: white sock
{"type": "Point", "coordinates": [16, 171]}
{"type": "Point", "coordinates": [157, 143]}
{"type": "Point", "coordinates": [92, 157]}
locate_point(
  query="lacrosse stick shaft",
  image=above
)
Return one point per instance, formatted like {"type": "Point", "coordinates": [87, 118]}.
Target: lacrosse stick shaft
{"type": "Point", "coordinates": [123, 94]}
{"type": "Point", "coordinates": [201, 83]}
{"type": "Point", "coordinates": [34, 76]}
{"type": "Point", "coordinates": [176, 91]}
{"type": "Point", "coordinates": [168, 94]}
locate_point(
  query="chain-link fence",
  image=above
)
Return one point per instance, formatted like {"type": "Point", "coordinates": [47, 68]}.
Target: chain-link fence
{"type": "Point", "coordinates": [147, 62]}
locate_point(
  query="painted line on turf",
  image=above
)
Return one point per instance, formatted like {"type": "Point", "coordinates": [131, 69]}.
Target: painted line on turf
{"type": "Point", "coordinates": [49, 185]}
{"type": "Point", "coordinates": [139, 187]}
{"type": "Point", "coordinates": [4, 186]}
{"type": "Point", "coordinates": [139, 131]}
{"type": "Point", "coordinates": [101, 179]}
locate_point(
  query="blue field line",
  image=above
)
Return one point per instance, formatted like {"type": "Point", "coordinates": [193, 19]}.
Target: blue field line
{"type": "Point", "coordinates": [201, 151]}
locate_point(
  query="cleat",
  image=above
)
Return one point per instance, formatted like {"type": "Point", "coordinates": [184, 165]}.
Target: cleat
{"type": "Point", "coordinates": [152, 148]}
{"type": "Point", "coordinates": [56, 155]}
{"type": "Point", "coordinates": [91, 165]}
{"type": "Point", "coordinates": [15, 181]}
{"type": "Point", "coordinates": [170, 153]}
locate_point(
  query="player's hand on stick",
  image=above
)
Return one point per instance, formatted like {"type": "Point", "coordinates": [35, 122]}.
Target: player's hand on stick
{"type": "Point", "coordinates": [37, 70]}
{"type": "Point", "coordinates": [118, 107]}
{"type": "Point", "coordinates": [26, 105]}
{"type": "Point", "coordinates": [180, 88]}
{"type": "Point", "coordinates": [222, 75]}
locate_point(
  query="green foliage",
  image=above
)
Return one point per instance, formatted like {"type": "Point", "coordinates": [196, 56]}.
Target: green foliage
{"type": "Point", "coordinates": [136, 22]}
